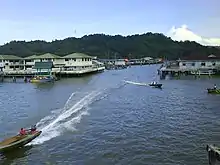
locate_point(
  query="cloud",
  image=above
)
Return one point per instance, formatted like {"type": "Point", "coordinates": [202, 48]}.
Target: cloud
{"type": "Point", "coordinates": [183, 33]}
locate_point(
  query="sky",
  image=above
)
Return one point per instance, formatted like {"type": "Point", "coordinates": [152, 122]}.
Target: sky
{"type": "Point", "coordinates": [196, 20]}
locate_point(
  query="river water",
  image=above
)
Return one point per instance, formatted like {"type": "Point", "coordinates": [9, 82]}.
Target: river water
{"type": "Point", "coordinates": [100, 119]}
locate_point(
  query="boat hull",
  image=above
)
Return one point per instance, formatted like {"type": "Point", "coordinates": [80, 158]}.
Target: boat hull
{"type": "Point", "coordinates": [156, 85]}
{"type": "Point", "coordinates": [23, 140]}
{"type": "Point", "coordinates": [42, 79]}
{"type": "Point", "coordinates": [213, 91]}
{"type": "Point", "coordinates": [213, 154]}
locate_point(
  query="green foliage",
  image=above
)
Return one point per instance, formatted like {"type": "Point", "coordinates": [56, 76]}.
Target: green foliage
{"type": "Point", "coordinates": [105, 46]}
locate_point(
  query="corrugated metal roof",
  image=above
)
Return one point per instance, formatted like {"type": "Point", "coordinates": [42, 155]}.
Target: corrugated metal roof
{"type": "Point", "coordinates": [31, 57]}
{"type": "Point", "coordinates": [77, 55]}
{"type": "Point", "coordinates": [97, 62]}
{"type": "Point", "coordinates": [48, 56]}
{"type": "Point", "coordinates": [200, 57]}
{"type": "Point", "coordinates": [10, 57]}
{"type": "Point", "coordinates": [43, 65]}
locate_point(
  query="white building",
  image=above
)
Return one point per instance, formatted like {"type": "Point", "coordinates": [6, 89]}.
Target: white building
{"type": "Point", "coordinates": [77, 61]}
{"type": "Point", "coordinates": [11, 63]}
{"type": "Point", "coordinates": [120, 62]}
{"type": "Point", "coordinates": [195, 64]}
{"type": "Point", "coordinates": [209, 62]}
{"type": "Point", "coordinates": [57, 60]}
{"type": "Point", "coordinates": [71, 62]}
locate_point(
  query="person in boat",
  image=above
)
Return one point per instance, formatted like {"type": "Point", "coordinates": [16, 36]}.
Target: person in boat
{"type": "Point", "coordinates": [215, 87]}
{"type": "Point", "coordinates": [33, 129]}
{"type": "Point", "coordinates": [153, 83]}
{"type": "Point", "coordinates": [22, 131]}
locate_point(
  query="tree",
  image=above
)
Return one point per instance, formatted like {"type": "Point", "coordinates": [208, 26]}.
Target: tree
{"type": "Point", "coordinates": [106, 46]}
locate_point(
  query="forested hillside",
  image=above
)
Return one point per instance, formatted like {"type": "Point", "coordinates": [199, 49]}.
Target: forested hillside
{"type": "Point", "coordinates": [105, 46]}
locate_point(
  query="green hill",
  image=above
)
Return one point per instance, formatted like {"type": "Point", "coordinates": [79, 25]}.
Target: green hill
{"type": "Point", "coordinates": [106, 46]}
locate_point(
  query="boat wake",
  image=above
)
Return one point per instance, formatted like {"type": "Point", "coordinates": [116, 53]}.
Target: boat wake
{"type": "Point", "coordinates": [66, 118]}
{"type": "Point", "coordinates": [136, 83]}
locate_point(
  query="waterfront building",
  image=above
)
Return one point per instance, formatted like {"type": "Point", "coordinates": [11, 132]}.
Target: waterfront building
{"type": "Point", "coordinates": [145, 61]}
{"type": "Point", "coordinates": [120, 62]}
{"type": "Point", "coordinates": [73, 63]}
{"type": "Point", "coordinates": [43, 68]}
{"type": "Point", "coordinates": [203, 64]}
{"type": "Point", "coordinates": [77, 61]}
{"type": "Point", "coordinates": [11, 63]}
{"type": "Point", "coordinates": [195, 65]}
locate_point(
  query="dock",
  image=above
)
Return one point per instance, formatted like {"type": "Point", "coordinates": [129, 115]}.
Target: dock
{"type": "Point", "coordinates": [177, 72]}
{"type": "Point", "coordinates": [59, 73]}
{"type": "Point", "coordinates": [191, 65]}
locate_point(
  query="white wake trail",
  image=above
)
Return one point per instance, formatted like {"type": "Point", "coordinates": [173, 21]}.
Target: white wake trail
{"type": "Point", "coordinates": [70, 115]}
{"type": "Point", "coordinates": [136, 83]}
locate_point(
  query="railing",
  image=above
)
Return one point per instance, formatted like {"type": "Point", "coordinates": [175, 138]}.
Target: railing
{"type": "Point", "coordinates": [57, 70]}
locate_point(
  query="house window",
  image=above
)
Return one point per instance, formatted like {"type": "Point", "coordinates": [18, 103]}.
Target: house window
{"type": "Point", "coordinates": [193, 64]}
{"type": "Point", "coordinates": [66, 59]}
{"type": "Point", "coordinates": [203, 64]}
{"type": "Point", "coordinates": [184, 64]}
{"type": "Point", "coordinates": [213, 64]}
{"type": "Point", "coordinates": [74, 59]}
{"type": "Point", "coordinates": [82, 59]}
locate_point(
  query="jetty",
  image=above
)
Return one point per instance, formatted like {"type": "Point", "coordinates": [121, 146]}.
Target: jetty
{"type": "Point", "coordinates": [197, 66]}
{"type": "Point", "coordinates": [115, 64]}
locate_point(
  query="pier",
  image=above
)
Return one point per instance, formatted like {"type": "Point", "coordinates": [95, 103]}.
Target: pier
{"type": "Point", "coordinates": [115, 64]}
{"type": "Point", "coordinates": [178, 72]}
{"type": "Point", "coordinates": [189, 66]}
{"type": "Point", "coordinates": [59, 73]}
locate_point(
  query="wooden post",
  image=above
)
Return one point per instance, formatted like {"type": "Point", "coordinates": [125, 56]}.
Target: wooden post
{"type": "Point", "coordinates": [209, 74]}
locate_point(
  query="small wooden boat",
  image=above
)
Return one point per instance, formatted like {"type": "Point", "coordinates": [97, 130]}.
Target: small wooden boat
{"type": "Point", "coordinates": [18, 141]}
{"type": "Point", "coordinates": [213, 91]}
{"type": "Point", "coordinates": [42, 79]}
{"type": "Point", "coordinates": [156, 85]}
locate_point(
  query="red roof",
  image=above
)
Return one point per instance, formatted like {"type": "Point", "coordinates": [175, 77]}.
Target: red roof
{"type": "Point", "coordinates": [201, 57]}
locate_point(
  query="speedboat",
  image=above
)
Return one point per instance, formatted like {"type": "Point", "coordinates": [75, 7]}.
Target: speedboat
{"type": "Point", "coordinates": [18, 141]}
{"type": "Point", "coordinates": [156, 85]}
{"type": "Point", "coordinates": [213, 91]}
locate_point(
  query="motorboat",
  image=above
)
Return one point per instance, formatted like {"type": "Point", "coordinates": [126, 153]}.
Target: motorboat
{"type": "Point", "coordinates": [42, 79]}
{"type": "Point", "coordinates": [18, 141]}
{"type": "Point", "coordinates": [213, 91]}
{"type": "Point", "coordinates": [156, 85]}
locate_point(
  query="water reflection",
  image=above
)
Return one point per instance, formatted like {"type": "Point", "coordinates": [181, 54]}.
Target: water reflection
{"type": "Point", "coordinates": [10, 156]}
{"type": "Point", "coordinates": [44, 85]}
